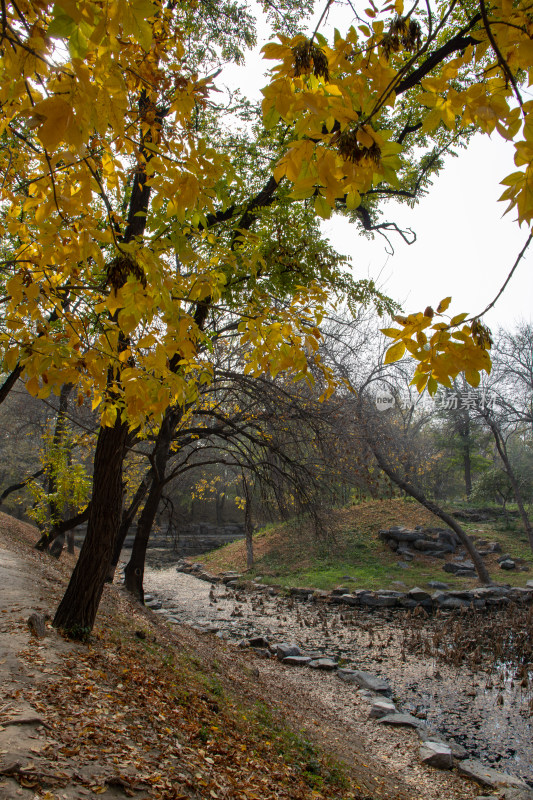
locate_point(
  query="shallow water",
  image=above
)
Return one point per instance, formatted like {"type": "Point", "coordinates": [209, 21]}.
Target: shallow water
{"type": "Point", "coordinates": [487, 714]}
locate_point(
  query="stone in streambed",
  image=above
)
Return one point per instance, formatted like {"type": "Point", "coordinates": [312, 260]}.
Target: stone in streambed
{"type": "Point", "coordinates": [436, 754]}
{"type": "Point", "coordinates": [381, 708]}
{"type": "Point", "coordinates": [284, 649]}
{"type": "Point", "coordinates": [405, 720]}
{"type": "Point", "coordinates": [471, 768]}
{"type": "Point", "coordinates": [366, 680]}
{"type": "Point", "coordinates": [326, 664]}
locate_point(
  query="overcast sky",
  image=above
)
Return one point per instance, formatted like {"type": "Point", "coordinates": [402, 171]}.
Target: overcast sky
{"type": "Point", "coordinates": [465, 247]}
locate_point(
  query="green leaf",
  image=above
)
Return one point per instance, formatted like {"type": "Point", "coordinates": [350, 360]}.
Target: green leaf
{"type": "Point", "coordinates": [271, 118]}
{"type": "Point", "coordinates": [353, 200]}
{"type": "Point", "coordinates": [322, 207]}
{"type": "Point", "coordinates": [78, 44]}
{"type": "Point", "coordinates": [62, 26]}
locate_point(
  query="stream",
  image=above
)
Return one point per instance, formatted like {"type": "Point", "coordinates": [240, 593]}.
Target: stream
{"type": "Point", "coordinates": [489, 714]}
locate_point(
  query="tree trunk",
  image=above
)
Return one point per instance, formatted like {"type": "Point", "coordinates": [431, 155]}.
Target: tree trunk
{"type": "Point", "coordinates": [77, 611]}
{"type": "Point", "coordinates": [125, 524]}
{"type": "Point", "coordinates": [464, 433]}
{"type": "Point", "coordinates": [413, 491]}
{"type": "Point", "coordinates": [502, 450]}
{"type": "Point", "coordinates": [134, 572]}
{"type": "Point", "coordinates": [219, 507]}
{"type": "Point", "coordinates": [70, 543]}
{"type": "Point", "coordinates": [248, 524]}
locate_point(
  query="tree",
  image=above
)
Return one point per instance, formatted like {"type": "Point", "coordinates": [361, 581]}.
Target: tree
{"type": "Point", "coordinates": [125, 225]}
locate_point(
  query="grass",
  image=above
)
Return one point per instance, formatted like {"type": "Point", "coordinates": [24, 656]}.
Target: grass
{"type": "Point", "coordinates": [351, 554]}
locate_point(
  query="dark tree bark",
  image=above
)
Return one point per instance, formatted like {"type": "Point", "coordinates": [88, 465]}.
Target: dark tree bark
{"type": "Point", "coordinates": [220, 501]}
{"type": "Point", "coordinates": [9, 382]}
{"type": "Point", "coordinates": [77, 611]}
{"type": "Point", "coordinates": [248, 524]}
{"type": "Point", "coordinates": [134, 572]}
{"type": "Point", "coordinates": [128, 515]}
{"type": "Point", "coordinates": [464, 431]}
{"type": "Point", "coordinates": [16, 487]}
{"type": "Point", "coordinates": [63, 527]}
{"type": "Point", "coordinates": [502, 450]}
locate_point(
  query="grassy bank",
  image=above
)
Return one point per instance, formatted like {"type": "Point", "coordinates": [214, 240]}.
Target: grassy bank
{"type": "Point", "coordinates": [350, 552]}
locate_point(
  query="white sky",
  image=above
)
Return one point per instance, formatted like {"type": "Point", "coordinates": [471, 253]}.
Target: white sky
{"type": "Point", "coordinates": [465, 246]}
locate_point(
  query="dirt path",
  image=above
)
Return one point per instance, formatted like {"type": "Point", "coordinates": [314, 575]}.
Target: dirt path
{"type": "Point", "coordinates": [372, 644]}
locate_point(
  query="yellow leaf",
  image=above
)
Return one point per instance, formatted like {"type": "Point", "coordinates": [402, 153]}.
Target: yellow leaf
{"type": "Point", "coordinates": [53, 116]}
{"type": "Point", "coordinates": [392, 332]}
{"type": "Point", "coordinates": [443, 305]}
{"type": "Point", "coordinates": [32, 386]}
{"type": "Point", "coordinates": [395, 352]}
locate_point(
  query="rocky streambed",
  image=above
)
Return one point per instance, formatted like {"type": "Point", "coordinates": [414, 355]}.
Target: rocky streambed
{"type": "Point", "coordinates": [486, 711]}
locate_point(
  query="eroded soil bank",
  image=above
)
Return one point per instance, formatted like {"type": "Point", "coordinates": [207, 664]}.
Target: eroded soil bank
{"type": "Point", "coordinates": [488, 711]}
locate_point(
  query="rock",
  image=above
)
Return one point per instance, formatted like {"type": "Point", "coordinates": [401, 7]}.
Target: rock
{"type": "Point", "coordinates": [451, 567]}
{"type": "Point", "coordinates": [403, 565]}
{"type": "Point", "coordinates": [348, 600]}
{"type": "Point", "coordinates": [258, 641]}
{"type": "Point", "coordinates": [340, 590]}
{"type": "Point", "coordinates": [438, 585]}
{"type": "Point", "coordinates": [529, 585]}
{"type": "Point", "coordinates": [507, 563]}
{"type": "Point", "coordinates": [504, 557]}
{"type": "Point", "coordinates": [458, 751]}
{"type": "Point", "coordinates": [283, 650]}
{"type": "Point", "coordinates": [382, 708]}
{"type": "Point", "coordinates": [436, 754]}
{"type": "Point", "coordinates": [518, 794]}
{"type": "Point", "coordinates": [465, 573]}
{"type": "Point", "coordinates": [154, 605]}
{"type": "Point", "coordinates": [297, 661]}
{"type": "Point", "coordinates": [408, 602]}
{"type": "Point", "coordinates": [375, 600]}
{"type": "Point", "coordinates": [444, 600]}
{"type": "Point", "coordinates": [347, 675]}
{"type": "Point", "coordinates": [494, 547]}
{"type": "Point", "coordinates": [326, 664]}
{"type": "Point", "coordinates": [206, 628]}
{"type": "Point", "coordinates": [429, 546]}
{"type": "Point", "coordinates": [298, 591]}
{"type": "Point", "coordinates": [36, 624]}
{"type": "Point", "coordinates": [261, 652]}
{"type": "Point", "coordinates": [487, 776]}
{"type": "Point", "coordinates": [399, 534]}
{"type": "Point", "coordinates": [418, 594]}
{"type": "Point", "coordinates": [366, 680]}
{"type": "Point", "coordinates": [406, 720]}
{"type": "Point", "coordinates": [430, 735]}
{"type": "Point", "coordinates": [230, 577]}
